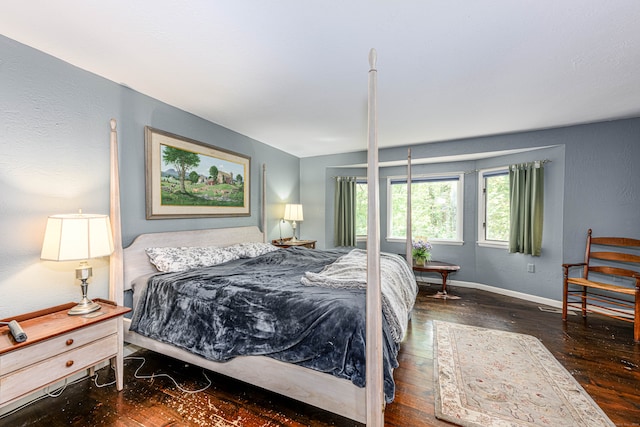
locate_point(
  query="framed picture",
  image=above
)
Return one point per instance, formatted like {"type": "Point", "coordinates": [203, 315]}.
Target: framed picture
{"type": "Point", "coordinates": [188, 179]}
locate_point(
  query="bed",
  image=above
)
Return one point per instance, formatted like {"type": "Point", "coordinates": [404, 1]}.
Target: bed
{"type": "Point", "coordinates": [335, 394]}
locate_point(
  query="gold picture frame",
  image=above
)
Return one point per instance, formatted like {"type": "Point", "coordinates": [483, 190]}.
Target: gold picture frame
{"type": "Point", "coordinates": [190, 179]}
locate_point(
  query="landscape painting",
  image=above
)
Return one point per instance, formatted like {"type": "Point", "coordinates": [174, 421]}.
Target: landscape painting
{"type": "Point", "coordinates": [187, 178]}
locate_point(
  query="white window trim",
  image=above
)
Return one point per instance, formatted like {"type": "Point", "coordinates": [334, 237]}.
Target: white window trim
{"type": "Point", "coordinates": [482, 213]}
{"type": "Point", "coordinates": [460, 219]}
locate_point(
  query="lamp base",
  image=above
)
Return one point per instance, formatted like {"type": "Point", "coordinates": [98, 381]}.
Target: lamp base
{"type": "Point", "coordinates": [85, 306]}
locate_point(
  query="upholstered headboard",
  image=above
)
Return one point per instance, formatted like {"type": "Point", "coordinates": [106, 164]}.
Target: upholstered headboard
{"type": "Point", "coordinates": [136, 261]}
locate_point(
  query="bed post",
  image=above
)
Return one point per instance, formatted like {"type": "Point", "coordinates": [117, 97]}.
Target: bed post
{"type": "Point", "coordinates": [116, 267]}
{"type": "Point", "coordinates": [116, 287]}
{"type": "Point", "coordinates": [409, 246]}
{"type": "Point", "coordinates": [374, 387]}
{"type": "Point", "coordinates": [264, 203]}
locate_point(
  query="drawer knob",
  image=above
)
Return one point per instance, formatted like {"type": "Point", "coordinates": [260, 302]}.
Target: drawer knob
{"type": "Point", "coordinates": [69, 363]}
{"type": "Point", "coordinates": [70, 341]}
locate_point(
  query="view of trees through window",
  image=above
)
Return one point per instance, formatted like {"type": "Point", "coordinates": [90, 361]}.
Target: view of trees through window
{"type": "Point", "coordinates": [497, 214]}
{"type": "Point", "coordinates": [362, 199]}
{"type": "Point", "coordinates": [434, 203]}
{"type": "Point", "coordinates": [434, 206]}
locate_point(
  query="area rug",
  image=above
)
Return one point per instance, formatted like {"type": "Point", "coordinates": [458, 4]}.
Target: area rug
{"type": "Point", "coordinates": [486, 377]}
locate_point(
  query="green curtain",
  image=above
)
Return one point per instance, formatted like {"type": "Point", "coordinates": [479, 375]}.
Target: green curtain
{"type": "Point", "coordinates": [526, 186]}
{"type": "Point", "coordinates": [344, 233]}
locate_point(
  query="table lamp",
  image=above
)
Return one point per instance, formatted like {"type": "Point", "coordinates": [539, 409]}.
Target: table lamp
{"type": "Point", "coordinates": [293, 213]}
{"type": "Point", "coordinates": [80, 237]}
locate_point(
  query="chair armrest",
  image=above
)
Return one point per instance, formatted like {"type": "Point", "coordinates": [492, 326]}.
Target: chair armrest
{"type": "Point", "coordinates": [578, 264]}
{"type": "Point", "coordinates": [566, 267]}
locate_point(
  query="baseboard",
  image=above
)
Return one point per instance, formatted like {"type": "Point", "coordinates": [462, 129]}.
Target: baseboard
{"type": "Point", "coordinates": [129, 349]}
{"type": "Point", "coordinates": [520, 295]}
{"type": "Point", "coordinates": [507, 292]}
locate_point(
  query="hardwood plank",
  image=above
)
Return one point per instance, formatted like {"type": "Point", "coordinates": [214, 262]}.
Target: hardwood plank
{"type": "Point", "coordinates": [598, 351]}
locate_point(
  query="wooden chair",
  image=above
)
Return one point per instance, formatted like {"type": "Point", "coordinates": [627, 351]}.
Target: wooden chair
{"type": "Point", "coordinates": [609, 263]}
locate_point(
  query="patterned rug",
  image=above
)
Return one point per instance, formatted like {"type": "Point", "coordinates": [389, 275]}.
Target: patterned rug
{"type": "Point", "coordinates": [486, 377]}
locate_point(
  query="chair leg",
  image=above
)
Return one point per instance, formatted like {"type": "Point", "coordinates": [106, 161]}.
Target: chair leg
{"type": "Point", "coordinates": [565, 290]}
{"type": "Point", "coordinates": [636, 314]}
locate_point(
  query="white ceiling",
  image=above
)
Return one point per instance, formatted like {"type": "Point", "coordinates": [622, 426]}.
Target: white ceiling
{"type": "Point", "coordinates": [293, 74]}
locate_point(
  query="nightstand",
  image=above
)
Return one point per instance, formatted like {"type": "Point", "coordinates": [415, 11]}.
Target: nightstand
{"type": "Point", "coordinates": [287, 243]}
{"type": "Point", "coordinates": [59, 345]}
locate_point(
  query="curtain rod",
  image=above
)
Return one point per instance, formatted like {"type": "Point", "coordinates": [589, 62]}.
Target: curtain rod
{"type": "Point", "coordinates": [465, 172]}
{"type": "Point", "coordinates": [478, 170]}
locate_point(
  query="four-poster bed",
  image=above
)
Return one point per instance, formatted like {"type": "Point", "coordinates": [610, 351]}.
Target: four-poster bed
{"type": "Point", "coordinates": [337, 395]}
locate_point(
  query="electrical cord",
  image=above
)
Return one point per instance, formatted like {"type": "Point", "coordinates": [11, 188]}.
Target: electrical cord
{"type": "Point", "coordinates": [153, 376]}
{"type": "Point", "coordinates": [58, 392]}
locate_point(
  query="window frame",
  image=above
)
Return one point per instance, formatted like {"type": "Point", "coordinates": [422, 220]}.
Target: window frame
{"type": "Point", "coordinates": [457, 176]}
{"type": "Point", "coordinates": [482, 207]}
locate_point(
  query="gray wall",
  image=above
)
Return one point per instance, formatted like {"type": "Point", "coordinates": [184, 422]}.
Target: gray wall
{"type": "Point", "coordinates": [591, 182]}
{"type": "Point", "coordinates": [139, 111]}
{"type": "Point", "coordinates": [54, 131]}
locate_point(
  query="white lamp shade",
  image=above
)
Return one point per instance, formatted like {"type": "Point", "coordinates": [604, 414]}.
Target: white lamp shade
{"type": "Point", "coordinates": [293, 212]}
{"type": "Point", "coordinates": [77, 237]}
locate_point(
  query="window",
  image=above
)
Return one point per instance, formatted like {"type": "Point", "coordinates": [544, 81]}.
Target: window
{"type": "Point", "coordinates": [436, 205]}
{"type": "Point", "coordinates": [493, 227]}
{"type": "Point", "coordinates": [362, 199]}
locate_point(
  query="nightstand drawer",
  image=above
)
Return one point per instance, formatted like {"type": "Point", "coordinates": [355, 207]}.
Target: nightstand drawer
{"type": "Point", "coordinates": [26, 356]}
{"type": "Point", "coordinates": [23, 381]}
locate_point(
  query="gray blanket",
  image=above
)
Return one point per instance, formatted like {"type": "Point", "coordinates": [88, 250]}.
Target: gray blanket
{"type": "Point", "coordinates": [259, 306]}
{"type": "Point", "coordinates": [397, 283]}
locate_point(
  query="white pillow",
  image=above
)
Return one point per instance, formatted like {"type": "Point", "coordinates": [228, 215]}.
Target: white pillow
{"type": "Point", "coordinates": [174, 259]}
{"type": "Point", "coordinates": [252, 249]}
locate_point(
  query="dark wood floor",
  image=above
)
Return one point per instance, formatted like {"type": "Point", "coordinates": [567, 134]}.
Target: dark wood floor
{"type": "Point", "coordinates": [600, 353]}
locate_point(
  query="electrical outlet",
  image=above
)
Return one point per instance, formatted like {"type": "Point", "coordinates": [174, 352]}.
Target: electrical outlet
{"type": "Point", "coordinates": [531, 268]}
